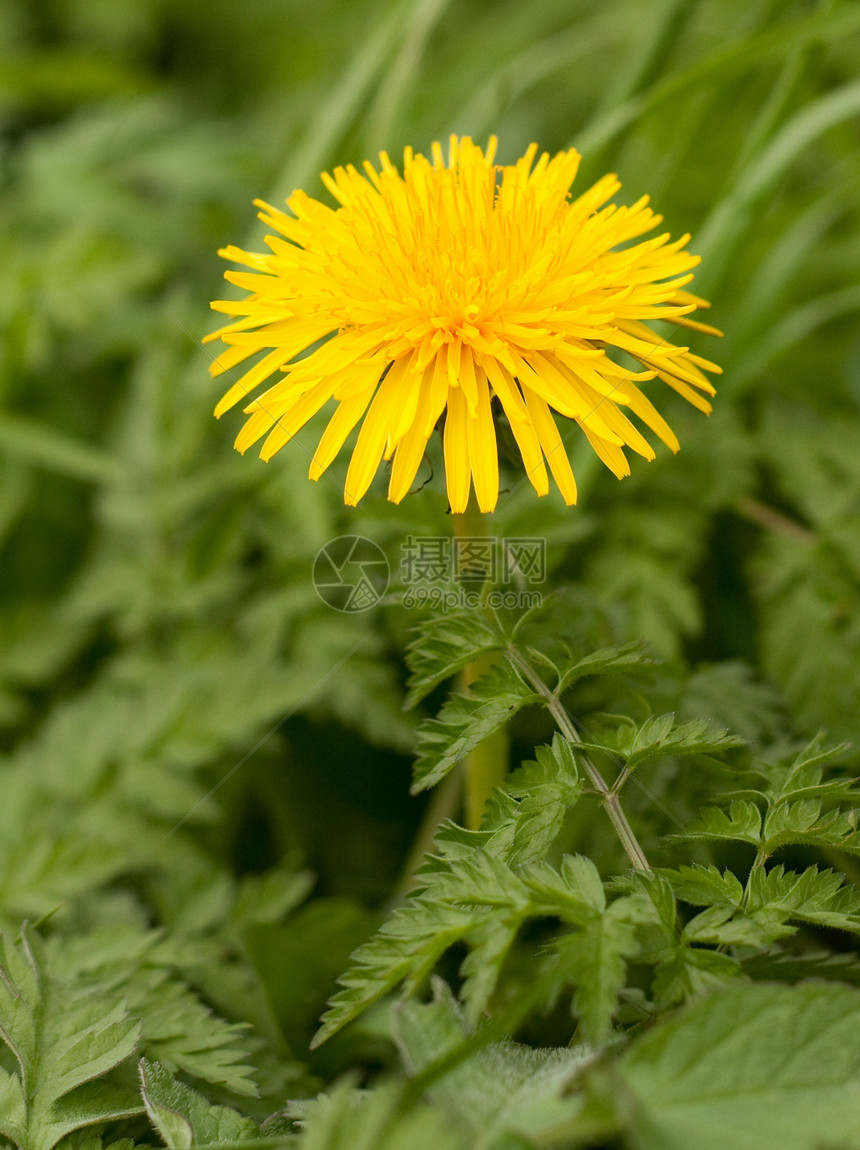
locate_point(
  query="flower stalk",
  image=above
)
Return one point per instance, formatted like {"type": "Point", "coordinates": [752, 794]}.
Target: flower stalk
{"type": "Point", "coordinates": [485, 767]}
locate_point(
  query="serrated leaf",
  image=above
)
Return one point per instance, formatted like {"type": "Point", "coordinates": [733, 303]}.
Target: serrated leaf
{"type": "Point", "coordinates": [546, 788]}
{"type": "Point", "coordinates": [466, 720]}
{"type": "Point", "coordinates": [813, 895]}
{"type": "Point", "coordinates": [753, 1066]}
{"type": "Point", "coordinates": [655, 740]}
{"type": "Point", "coordinates": [444, 645]}
{"type": "Point", "coordinates": [801, 822]}
{"type": "Point", "coordinates": [800, 776]}
{"type": "Point", "coordinates": [719, 926]}
{"type": "Point", "coordinates": [659, 894]}
{"type": "Point", "coordinates": [742, 823]}
{"type": "Point", "coordinates": [659, 738]}
{"type": "Point", "coordinates": [176, 1026]}
{"type": "Point", "coordinates": [62, 1038]}
{"type": "Point", "coordinates": [407, 946]}
{"type": "Point", "coordinates": [594, 958]}
{"type": "Point", "coordinates": [687, 971]}
{"type": "Point", "coordinates": [606, 661]}
{"type": "Point", "coordinates": [705, 885]}
{"type": "Point", "coordinates": [186, 1035]}
{"type": "Point", "coordinates": [183, 1118]}
{"type": "Point", "coordinates": [781, 966]}
{"type": "Point", "coordinates": [491, 943]}
{"type": "Point", "coordinates": [86, 1105]}
{"type": "Point", "coordinates": [13, 1111]}
{"type": "Point", "coordinates": [574, 892]}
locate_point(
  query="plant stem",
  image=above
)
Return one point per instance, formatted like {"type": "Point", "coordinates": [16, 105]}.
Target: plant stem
{"type": "Point", "coordinates": [608, 796]}
{"type": "Point", "coordinates": [485, 767]}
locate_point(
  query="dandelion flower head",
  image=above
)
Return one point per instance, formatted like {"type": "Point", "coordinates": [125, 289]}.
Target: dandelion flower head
{"type": "Point", "coordinates": [460, 289]}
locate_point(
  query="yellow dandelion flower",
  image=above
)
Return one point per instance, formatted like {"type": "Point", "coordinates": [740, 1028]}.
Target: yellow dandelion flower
{"type": "Point", "coordinates": [439, 290]}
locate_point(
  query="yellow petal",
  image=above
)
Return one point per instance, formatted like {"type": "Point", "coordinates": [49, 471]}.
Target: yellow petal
{"type": "Point", "coordinates": [483, 453]}
{"type": "Point", "coordinates": [553, 448]}
{"type": "Point", "coordinates": [410, 449]}
{"type": "Point", "coordinates": [346, 416]}
{"type": "Point", "coordinates": [366, 457]}
{"type": "Point", "coordinates": [520, 422]}
{"type": "Point", "coordinates": [456, 445]}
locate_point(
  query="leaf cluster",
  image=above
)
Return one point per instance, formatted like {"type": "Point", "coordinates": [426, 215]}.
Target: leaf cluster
{"type": "Point", "coordinates": [204, 770]}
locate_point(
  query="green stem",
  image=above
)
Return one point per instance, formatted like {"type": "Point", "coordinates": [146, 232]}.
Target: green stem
{"type": "Point", "coordinates": [608, 795]}
{"type": "Point", "coordinates": [485, 767]}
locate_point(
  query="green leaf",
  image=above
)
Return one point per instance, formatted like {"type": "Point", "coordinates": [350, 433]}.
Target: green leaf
{"type": "Point", "coordinates": [659, 737]}
{"type": "Point", "coordinates": [491, 943]}
{"type": "Point", "coordinates": [688, 971]}
{"type": "Point", "coordinates": [385, 1118]}
{"type": "Point", "coordinates": [407, 946]}
{"type": "Point", "coordinates": [742, 823]}
{"type": "Point", "coordinates": [546, 788]}
{"type": "Point", "coordinates": [720, 926]}
{"type": "Point", "coordinates": [484, 880]}
{"type": "Point", "coordinates": [606, 661]}
{"type": "Point", "coordinates": [89, 1103]}
{"type": "Point", "coordinates": [466, 720]}
{"type": "Point", "coordinates": [13, 1109]}
{"type": "Point", "coordinates": [705, 885]}
{"type": "Point", "coordinates": [480, 899]}
{"type": "Point", "coordinates": [595, 959]}
{"type": "Point", "coordinates": [444, 645]}
{"type": "Point", "coordinates": [816, 896]}
{"type": "Point", "coordinates": [62, 1038]}
{"type": "Point", "coordinates": [500, 1088]}
{"type": "Point", "coordinates": [175, 1026]}
{"type": "Point", "coordinates": [575, 892]}
{"type": "Point", "coordinates": [781, 966]}
{"type": "Point", "coordinates": [802, 822]}
{"type": "Point", "coordinates": [183, 1118]}
{"type": "Point", "coordinates": [752, 1066]}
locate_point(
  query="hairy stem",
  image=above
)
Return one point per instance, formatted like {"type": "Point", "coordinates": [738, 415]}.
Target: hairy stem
{"type": "Point", "coordinates": [608, 795]}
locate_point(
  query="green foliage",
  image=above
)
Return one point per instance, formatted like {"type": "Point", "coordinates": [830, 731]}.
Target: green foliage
{"type": "Point", "coordinates": [465, 721]}
{"type": "Point", "coordinates": [444, 646]}
{"type": "Point", "coordinates": [183, 1117]}
{"type": "Point", "coordinates": [62, 1039]}
{"type": "Point", "coordinates": [502, 1089]}
{"type": "Point", "coordinates": [350, 1119]}
{"type": "Point", "coordinates": [794, 807]}
{"type": "Point", "coordinates": [204, 770]}
{"type": "Point", "coordinates": [758, 1066]}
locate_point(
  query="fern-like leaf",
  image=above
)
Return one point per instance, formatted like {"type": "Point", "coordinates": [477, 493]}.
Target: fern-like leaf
{"type": "Point", "coordinates": [741, 823]}
{"type": "Point", "coordinates": [546, 789]}
{"type": "Point", "coordinates": [659, 737]}
{"type": "Point", "coordinates": [407, 947]}
{"type": "Point", "coordinates": [62, 1039]}
{"type": "Point", "coordinates": [814, 896]}
{"type": "Point", "coordinates": [466, 720]}
{"type": "Point", "coordinates": [177, 1029]}
{"type": "Point", "coordinates": [444, 645]}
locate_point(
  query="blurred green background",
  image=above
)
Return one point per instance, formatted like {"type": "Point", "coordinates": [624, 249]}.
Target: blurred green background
{"type": "Point", "coordinates": [178, 710]}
